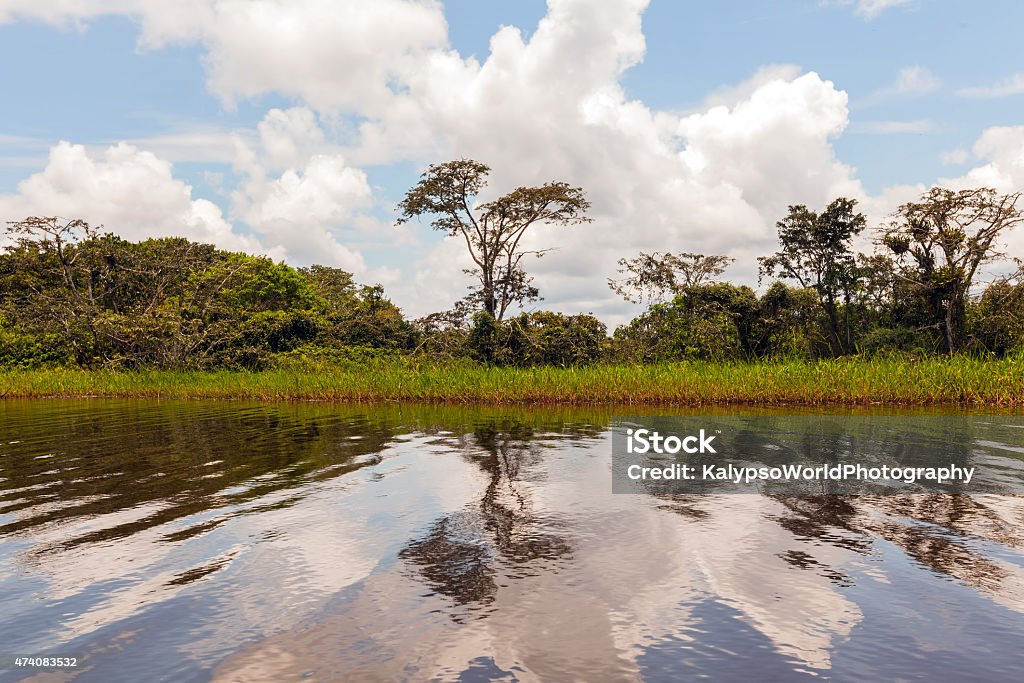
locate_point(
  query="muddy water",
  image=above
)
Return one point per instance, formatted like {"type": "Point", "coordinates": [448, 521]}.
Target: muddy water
{"type": "Point", "coordinates": [238, 542]}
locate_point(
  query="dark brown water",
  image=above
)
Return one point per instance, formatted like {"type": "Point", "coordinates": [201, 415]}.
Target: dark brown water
{"type": "Point", "coordinates": [236, 542]}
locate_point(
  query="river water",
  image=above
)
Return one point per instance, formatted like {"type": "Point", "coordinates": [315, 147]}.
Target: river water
{"type": "Point", "coordinates": [226, 541]}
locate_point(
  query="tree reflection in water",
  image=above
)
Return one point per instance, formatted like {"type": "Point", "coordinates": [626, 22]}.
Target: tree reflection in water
{"type": "Point", "coordinates": [464, 555]}
{"type": "Point", "coordinates": [944, 531]}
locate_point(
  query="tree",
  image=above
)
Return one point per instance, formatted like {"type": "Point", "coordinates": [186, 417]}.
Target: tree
{"type": "Point", "coordinates": [493, 231]}
{"type": "Point", "coordinates": [52, 283]}
{"type": "Point", "coordinates": [941, 241]}
{"type": "Point", "coordinates": [816, 254]}
{"type": "Point", "coordinates": [657, 276]}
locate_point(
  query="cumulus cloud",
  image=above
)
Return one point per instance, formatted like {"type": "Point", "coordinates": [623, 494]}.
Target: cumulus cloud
{"type": "Point", "coordinates": [296, 48]}
{"type": "Point", "coordinates": [290, 136]}
{"type": "Point", "coordinates": [731, 95]}
{"type": "Point", "coordinates": [300, 210]}
{"type": "Point", "coordinates": [298, 192]}
{"type": "Point", "coordinates": [130, 191]}
{"type": "Point", "coordinates": [999, 152]}
{"type": "Point", "coordinates": [295, 215]}
{"type": "Point", "coordinates": [1001, 148]}
{"type": "Point", "coordinates": [333, 55]}
{"type": "Point", "coordinates": [713, 181]}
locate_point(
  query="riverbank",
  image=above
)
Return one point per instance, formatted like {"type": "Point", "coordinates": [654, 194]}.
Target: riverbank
{"type": "Point", "coordinates": [958, 380]}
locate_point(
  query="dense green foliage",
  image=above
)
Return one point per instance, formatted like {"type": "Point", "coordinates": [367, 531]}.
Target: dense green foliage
{"type": "Point", "coordinates": [70, 296]}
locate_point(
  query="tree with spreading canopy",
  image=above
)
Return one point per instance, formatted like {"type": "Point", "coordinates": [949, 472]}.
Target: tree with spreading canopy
{"type": "Point", "coordinates": [940, 242]}
{"type": "Point", "coordinates": [657, 277]}
{"type": "Point", "coordinates": [492, 231]}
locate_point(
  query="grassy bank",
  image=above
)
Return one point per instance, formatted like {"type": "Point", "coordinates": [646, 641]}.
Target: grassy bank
{"type": "Point", "coordinates": [849, 381]}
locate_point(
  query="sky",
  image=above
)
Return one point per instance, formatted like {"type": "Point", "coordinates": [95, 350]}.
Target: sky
{"type": "Point", "coordinates": [292, 128]}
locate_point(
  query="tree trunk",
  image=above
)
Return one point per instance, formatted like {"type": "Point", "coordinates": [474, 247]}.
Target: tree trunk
{"type": "Point", "coordinates": [950, 342]}
{"type": "Point", "coordinates": [833, 320]}
{"type": "Point", "coordinates": [954, 321]}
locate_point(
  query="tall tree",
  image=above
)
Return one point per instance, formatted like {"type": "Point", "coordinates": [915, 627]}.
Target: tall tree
{"type": "Point", "coordinates": [816, 252]}
{"type": "Point", "coordinates": [658, 276]}
{"type": "Point", "coordinates": [493, 231]}
{"type": "Point", "coordinates": [942, 240]}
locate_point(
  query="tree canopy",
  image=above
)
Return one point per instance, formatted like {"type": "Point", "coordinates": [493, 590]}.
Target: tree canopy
{"type": "Point", "coordinates": [654, 277]}
{"type": "Point", "coordinates": [816, 252]}
{"type": "Point", "coordinates": [492, 231]}
{"type": "Point", "coordinates": [940, 242]}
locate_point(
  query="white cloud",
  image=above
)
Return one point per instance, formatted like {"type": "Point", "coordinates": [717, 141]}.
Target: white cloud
{"type": "Point", "coordinates": [300, 210]}
{"type": "Point", "coordinates": [290, 136]}
{"type": "Point", "coordinates": [130, 191]}
{"type": "Point", "coordinates": [915, 80]}
{"type": "Point", "coordinates": [1012, 85]}
{"type": "Point", "coordinates": [133, 192]}
{"type": "Point", "coordinates": [730, 96]}
{"type": "Point", "coordinates": [713, 181]}
{"type": "Point", "coordinates": [325, 192]}
{"type": "Point", "coordinates": [1002, 150]}
{"type": "Point", "coordinates": [774, 146]}
{"type": "Point", "coordinates": [333, 55]}
{"type": "Point", "coordinates": [300, 194]}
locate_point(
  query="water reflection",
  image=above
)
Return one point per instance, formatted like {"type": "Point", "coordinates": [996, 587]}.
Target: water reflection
{"type": "Point", "coordinates": [238, 542]}
{"type": "Point", "coordinates": [459, 554]}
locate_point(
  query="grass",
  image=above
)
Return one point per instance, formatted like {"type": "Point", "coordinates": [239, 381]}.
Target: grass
{"type": "Point", "coordinates": [896, 381]}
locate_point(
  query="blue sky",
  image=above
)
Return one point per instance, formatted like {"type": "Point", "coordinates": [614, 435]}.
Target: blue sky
{"type": "Point", "coordinates": [923, 80]}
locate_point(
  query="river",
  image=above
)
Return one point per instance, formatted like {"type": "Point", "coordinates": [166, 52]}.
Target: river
{"type": "Point", "coordinates": [228, 541]}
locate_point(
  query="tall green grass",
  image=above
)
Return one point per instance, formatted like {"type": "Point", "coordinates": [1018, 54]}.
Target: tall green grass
{"type": "Point", "coordinates": [960, 380]}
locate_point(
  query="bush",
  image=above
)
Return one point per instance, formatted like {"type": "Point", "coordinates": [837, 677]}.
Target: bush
{"type": "Point", "coordinates": [713, 322]}
{"type": "Point", "coordinates": [261, 335]}
{"type": "Point", "coordinates": [996, 322]}
{"type": "Point", "coordinates": [540, 338]}
{"type": "Point", "coordinates": [546, 338]}
{"type": "Point", "coordinates": [901, 341]}
{"type": "Point", "coordinates": [21, 350]}
{"type": "Point", "coordinates": [314, 355]}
